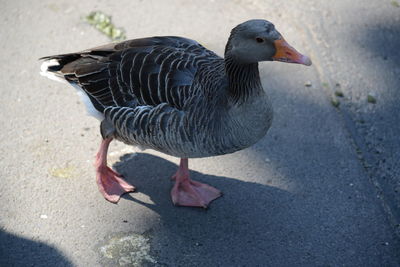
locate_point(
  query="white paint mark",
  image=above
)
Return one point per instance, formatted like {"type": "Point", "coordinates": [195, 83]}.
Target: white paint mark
{"type": "Point", "coordinates": [128, 250]}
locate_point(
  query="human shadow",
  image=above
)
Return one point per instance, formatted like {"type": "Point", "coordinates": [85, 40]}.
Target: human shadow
{"type": "Point", "coordinates": [19, 251]}
{"type": "Point", "coordinates": [382, 123]}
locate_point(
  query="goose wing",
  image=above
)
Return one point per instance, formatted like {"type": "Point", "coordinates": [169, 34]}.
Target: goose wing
{"type": "Point", "coordinates": [139, 72]}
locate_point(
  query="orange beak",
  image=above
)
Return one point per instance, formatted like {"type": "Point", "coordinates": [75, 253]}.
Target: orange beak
{"type": "Point", "coordinates": [286, 53]}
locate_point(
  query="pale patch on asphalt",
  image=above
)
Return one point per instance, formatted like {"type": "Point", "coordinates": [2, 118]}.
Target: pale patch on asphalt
{"type": "Point", "coordinates": [128, 249]}
{"type": "Point", "coordinates": [64, 172]}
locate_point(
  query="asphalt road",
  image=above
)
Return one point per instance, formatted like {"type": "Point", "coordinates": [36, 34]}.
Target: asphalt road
{"type": "Point", "coordinates": [321, 189]}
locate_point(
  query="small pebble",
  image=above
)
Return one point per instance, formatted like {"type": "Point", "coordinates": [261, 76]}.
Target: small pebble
{"type": "Point", "coordinates": [335, 102]}
{"type": "Point", "coordinates": [267, 160]}
{"type": "Point", "coordinates": [307, 84]}
{"type": "Point", "coordinates": [43, 216]}
{"type": "Point", "coordinates": [371, 99]}
{"type": "Point", "coordinates": [339, 93]}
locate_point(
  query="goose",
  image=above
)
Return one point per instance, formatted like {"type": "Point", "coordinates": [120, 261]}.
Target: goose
{"type": "Point", "coordinates": [173, 95]}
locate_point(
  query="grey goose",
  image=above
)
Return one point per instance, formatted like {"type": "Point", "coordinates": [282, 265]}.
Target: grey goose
{"type": "Point", "coordinates": [173, 95]}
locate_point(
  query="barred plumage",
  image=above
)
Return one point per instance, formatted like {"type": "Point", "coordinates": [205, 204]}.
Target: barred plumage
{"type": "Point", "coordinates": [170, 94]}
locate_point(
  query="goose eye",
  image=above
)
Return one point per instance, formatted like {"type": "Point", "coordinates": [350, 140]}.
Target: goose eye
{"type": "Point", "coordinates": [259, 40]}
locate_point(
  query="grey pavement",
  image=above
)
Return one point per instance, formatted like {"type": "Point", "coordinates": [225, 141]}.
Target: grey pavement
{"type": "Point", "coordinates": [321, 189]}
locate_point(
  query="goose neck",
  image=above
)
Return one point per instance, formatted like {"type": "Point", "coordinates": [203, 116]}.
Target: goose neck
{"type": "Point", "coordinates": [243, 78]}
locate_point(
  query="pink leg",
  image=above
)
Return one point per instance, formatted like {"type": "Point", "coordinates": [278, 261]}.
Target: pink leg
{"type": "Point", "coordinates": [187, 192]}
{"type": "Point", "coordinates": [110, 183]}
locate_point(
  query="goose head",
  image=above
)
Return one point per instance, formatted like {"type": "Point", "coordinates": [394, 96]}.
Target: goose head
{"type": "Point", "coordinates": [258, 40]}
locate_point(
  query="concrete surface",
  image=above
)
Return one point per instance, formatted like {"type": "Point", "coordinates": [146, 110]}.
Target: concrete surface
{"type": "Point", "coordinates": [321, 189]}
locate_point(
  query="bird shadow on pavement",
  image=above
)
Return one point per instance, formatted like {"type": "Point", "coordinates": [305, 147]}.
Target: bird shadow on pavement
{"type": "Point", "coordinates": [236, 227]}
{"type": "Point", "coordinates": [156, 182]}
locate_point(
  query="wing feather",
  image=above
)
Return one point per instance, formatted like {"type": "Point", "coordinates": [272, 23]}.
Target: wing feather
{"type": "Point", "coordinates": [147, 71]}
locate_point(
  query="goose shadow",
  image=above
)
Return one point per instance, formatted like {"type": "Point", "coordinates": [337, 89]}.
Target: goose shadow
{"type": "Point", "coordinates": [243, 227]}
